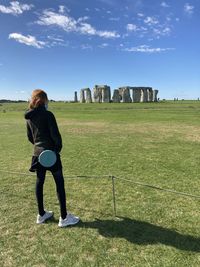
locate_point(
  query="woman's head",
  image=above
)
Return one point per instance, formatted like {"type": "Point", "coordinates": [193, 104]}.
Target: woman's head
{"type": "Point", "coordinates": [38, 98]}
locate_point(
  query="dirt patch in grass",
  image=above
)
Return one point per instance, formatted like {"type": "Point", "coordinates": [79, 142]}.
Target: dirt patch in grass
{"type": "Point", "coordinates": [153, 130]}
{"type": "Point", "coordinates": [82, 128]}
{"type": "Point", "coordinates": [183, 132]}
{"type": "Point", "coordinates": [191, 133]}
{"type": "Point", "coordinates": [85, 123]}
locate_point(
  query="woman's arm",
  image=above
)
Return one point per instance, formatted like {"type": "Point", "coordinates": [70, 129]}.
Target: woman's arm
{"type": "Point", "coordinates": [54, 132]}
{"type": "Point", "coordinates": [29, 133]}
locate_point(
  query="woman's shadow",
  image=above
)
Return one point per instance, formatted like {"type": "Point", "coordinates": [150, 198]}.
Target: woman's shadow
{"type": "Point", "coordinates": [143, 233]}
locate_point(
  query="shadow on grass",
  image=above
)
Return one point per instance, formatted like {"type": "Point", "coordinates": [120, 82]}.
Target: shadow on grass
{"type": "Point", "coordinates": [143, 233]}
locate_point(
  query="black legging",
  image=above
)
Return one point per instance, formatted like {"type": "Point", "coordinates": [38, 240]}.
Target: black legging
{"type": "Point", "coordinates": [59, 180]}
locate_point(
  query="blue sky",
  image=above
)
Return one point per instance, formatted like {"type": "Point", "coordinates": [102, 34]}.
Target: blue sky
{"type": "Point", "coordinates": [62, 46]}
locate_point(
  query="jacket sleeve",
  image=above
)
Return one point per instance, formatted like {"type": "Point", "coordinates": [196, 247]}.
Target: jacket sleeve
{"type": "Point", "coordinates": [54, 132]}
{"type": "Point", "coordinates": [29, 133]}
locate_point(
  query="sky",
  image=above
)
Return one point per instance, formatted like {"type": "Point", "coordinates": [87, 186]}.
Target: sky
{"type": "Point", "coordinates": [62, 46]}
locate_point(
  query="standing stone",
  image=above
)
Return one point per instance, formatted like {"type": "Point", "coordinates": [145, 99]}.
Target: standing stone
{"type": "Point", "coordinates": [75, 97]}
{"type": "Point", "coordinates": [155, 94]}
{"type": "Point", "coordinates": [88, 98]}
{"type": "Point", "coordinates": [136, 94]}
{"type": "Point", "coordinates": [97, 95]}
{"type": "Point", "coordinates": [120, 92]}
{"type": "Point", "coordinates": [105, 94]}
{"type": "Point", "coordinates": [125, 94]}
{"type": "Point", "coordinates": [149, 94]}
{"type": "Point", "coordinates": [101, 93]}
{"type": "Point", "coordinates": [144, 95]}
{"type": "Point", "coordinates": [116, 97]}
{"type": "Point", "coordinates": [82, 96]}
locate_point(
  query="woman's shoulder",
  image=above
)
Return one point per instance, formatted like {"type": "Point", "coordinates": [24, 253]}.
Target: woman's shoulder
{"type": "Point", "coordinates": [50, 115]}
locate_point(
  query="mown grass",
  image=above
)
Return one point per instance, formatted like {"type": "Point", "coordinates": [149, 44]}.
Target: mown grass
{"type": "Point", "coordinates": [155, 143]}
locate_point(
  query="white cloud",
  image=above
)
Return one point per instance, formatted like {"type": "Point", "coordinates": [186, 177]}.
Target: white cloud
{"type": "Point", "coordinates": [147, 49]}
{"type": "Point", "coordinates": [168, 19]}
{"type": "Point", "coordinates": [164, 4]}
{"type": "Point", "coordinates": [63, 9]}
{"type": "Point", "coordinates": [189, 9]}
{"type": "Point", "coordinates": [166, 31]}
{"type": "Point", "coordinates": [54, 40]}
{"type": "Point", "coordinates": [69, 24]}
{"type": "Point", "coordinates": [50, 18]}
{"type": "Point", "coordinates": [140, 14]}
{"type": "Point", "coordinates": [86, 28]}
{"type": "Point", "coordinates": [15, 8]}
{"type": "Point", "coordinates": [150, 27]}
{"type": "Point", "coordinates": [114, 19]}
{"type": "Point", "coordinates": [83, 19]}
{"type": "Point", "coordinates": [131, 27]}
{"type": "Point", "coordinates": [108, 34]}
{"type": "Point", "coordinates": [86, 47]}
{"type": "Point", "coordinates": [104, 45]}
{"type": "Point", "coordinates": [27, 40]}
{"type": "Point", "coordinates": [151, 21]}
{"type": "Point", "coordinates": [58, 39]}
{"type": "Point", "coordinates": [154, 28]}
{"type": "Point", "coordinates": [162, 31]}
{"type": "Point", "coordinates": [140, 30]}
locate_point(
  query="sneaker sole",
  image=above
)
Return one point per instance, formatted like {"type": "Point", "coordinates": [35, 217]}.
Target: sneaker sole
{"type": "Point", "coordinates": [41, 222]}
{"type": "Point", "coordinates": [69, 224]}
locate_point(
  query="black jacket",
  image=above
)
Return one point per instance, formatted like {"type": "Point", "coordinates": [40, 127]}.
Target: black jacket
{"type": "Point", "coordinates": [42, 130]}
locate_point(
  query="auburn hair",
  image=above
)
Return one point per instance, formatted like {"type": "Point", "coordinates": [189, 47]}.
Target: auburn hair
{"type": "Point", "coordinates": [38, 98]}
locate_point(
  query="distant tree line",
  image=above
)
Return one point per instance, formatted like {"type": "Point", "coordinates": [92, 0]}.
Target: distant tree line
{"type": "Point", "coordinates": [12, 101]}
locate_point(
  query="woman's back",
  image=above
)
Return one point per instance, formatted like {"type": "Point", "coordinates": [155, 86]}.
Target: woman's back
{"type": "Point", "coordinates": [42, 130]}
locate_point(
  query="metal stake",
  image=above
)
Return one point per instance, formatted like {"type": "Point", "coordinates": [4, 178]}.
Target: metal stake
{"type": "Point", "coordinates": [114, 200]}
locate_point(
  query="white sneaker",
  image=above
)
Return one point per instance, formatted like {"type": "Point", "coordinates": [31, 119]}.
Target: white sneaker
{"type": "Point", "coordinates": [69, 220]}
{"type": "Point", "coordinates": [46, 216]}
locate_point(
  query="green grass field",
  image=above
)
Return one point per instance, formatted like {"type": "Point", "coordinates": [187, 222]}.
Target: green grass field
{"type": "Point", "coordinates": [153, 143]}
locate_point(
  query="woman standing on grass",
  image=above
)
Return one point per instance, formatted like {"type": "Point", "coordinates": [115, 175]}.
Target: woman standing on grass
{"type": "Point", "coordinates": [43, 133]}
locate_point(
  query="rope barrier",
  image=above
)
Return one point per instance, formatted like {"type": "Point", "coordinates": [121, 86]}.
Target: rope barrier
{"type": "Point", "coordinates": [71, 176]}
{"type": "Point", "coordinates": [158, 188]}
{"type": "Point", "coordinates": [113, 178]}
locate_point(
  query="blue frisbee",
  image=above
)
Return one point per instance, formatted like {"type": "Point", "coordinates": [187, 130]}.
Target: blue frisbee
{"type": "Point", "coordinates": [47, 158]}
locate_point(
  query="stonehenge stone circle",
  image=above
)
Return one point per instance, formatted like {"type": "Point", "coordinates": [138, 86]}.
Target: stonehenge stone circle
{"type": "Point", "coordinates": [136, 94]}
{"type": "Point", "coordinates": [75, 97]}
{"type": "Point", "coordinates": [150, 94]}
{"type": "Point", "coordinates": [155, 94]}
{"type": "Point", "coordinates": [125, 94]}
{"type": "Point", "coordinates": [85, 95]}
{"type": "Point", "coordinates": [106, 94]}
{"type": "Point", "coordinates": [144, 95]}
{"type": "Point", "coordinates": [88, 98]}
{"type": "Point", "coordinates": [116, 97]}
{"type": "Point", "coordinates": [82, 96]}
{"type": "Point", "coordinates": [97, 96]}
{"type": "Point", "coordinates": [101, 93]}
